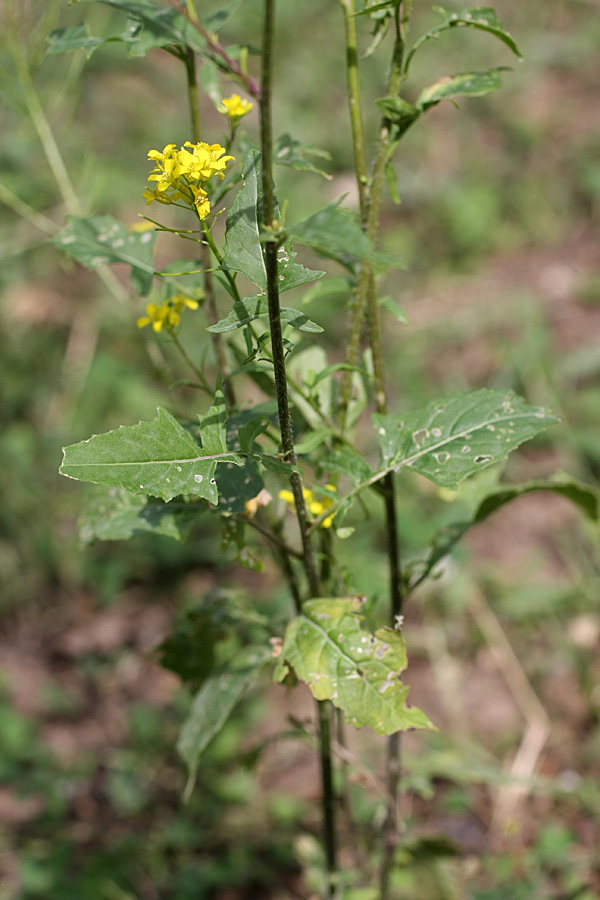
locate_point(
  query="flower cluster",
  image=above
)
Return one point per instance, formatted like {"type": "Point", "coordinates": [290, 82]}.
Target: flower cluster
{"type": "Point", "coordinates": [181, 174]}
{"type": "Point", "coordinates": [316, 505]}
{"type": "Point", "coordinates": [235, 107]}
{"type": "Point", "coordinates": [168, 315]}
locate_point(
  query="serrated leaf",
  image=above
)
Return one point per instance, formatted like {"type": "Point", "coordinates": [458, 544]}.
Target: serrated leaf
{"type": "Point", "coordinates": [157, 458]}
{"type": "Point", "coordinates": [100, 240]}
{"type": "Point", "coordinates": [117, 515]}
{"type": "Point", "coordinates": [250, 308]}
{"type": "Point", "coordinates": [473, 84]}
{"type": "Point", "coordinates": [358, 671]}
{"type": "Point", "coordinates": [483, 18]}
{"type": "Point", "coordinates": [215, 701]}
{"type": "Point", "coordinates": [77, 37]}
{"type": "Point", "coordinates": [243, 250]}
{"type": "Point", "coordinates": [335, 233]}
{"type": "Point", "coordinates": [290, 152]}
{"type": "Point", "coordinates": [450, 439]}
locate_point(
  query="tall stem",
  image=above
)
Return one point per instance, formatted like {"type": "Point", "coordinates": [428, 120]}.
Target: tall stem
{"type": "Point", "coordinates": [209, 290]}
{"type": "Point", "coordinates": [285, 420]}
{"type": "Point", "coordinates": [366, 300]}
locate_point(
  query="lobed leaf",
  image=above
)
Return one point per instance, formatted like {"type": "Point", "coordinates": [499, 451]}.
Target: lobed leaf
{"type": "Point", "coordinates": [157, 458]}
{"type": "Point", "coordinates": [100, 240]}
{"type": "Point", "coordinates": [358, 671]}
{"type": "Point", "coordinates": [250, 308]}
{"type": "Point", "coordinates": [116, 515]}
{"type": "Point", "coordinates": [450, 439]}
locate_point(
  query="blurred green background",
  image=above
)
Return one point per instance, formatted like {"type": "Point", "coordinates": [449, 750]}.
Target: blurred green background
{"type": "Point", "coordinates": [499, 226]}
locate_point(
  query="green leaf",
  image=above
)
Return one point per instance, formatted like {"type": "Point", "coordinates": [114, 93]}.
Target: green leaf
{"type": "Point", "coordinates": [358, 671]}
{"type": "Point", "coordinates": [394, 309]}
{"type": "Point", "coordinates": [233, 534]}
{"type": "Point", "coordinates": [100, 240]}
{"type": "Point", "coordinates": [334, 286]}
{"type": "Point", "coordinates": [158, 458]}
{"type": "Point", "coordinates": [349, 463]}
{"type": "Point", "coordinates": [77, 37]}
{"type": "Point", "coordinates": [117, 515]}
{"type": "Point", "coordinates": [400, 113]}
{"type": "Point", "coordinates": [336, 233]}
{"type": "Point", "coordinates": [450, 439]}
{"type": "Point", "coordinates": [237, 485]}
{"type": "Point", "coordinates": [582, 495]}
{"type": "Point", "coordinates": [473, 84]}
{"type": "Point", "coordinates": [250, 308]}
{"type": "Point", "coordinates": [482, 17]}
{"type": "Point", "coordinates": [162, 27]}
{"type": "Point", "coordinates": [243, 250]}
{"type": "Point", "coordinates": [290, 152]}
{"type": "Point", "coordinates": [214, 703]}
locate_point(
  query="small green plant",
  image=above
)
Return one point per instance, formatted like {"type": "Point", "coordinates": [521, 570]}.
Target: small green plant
{"type": "Point", "coordinates": [286, 474]}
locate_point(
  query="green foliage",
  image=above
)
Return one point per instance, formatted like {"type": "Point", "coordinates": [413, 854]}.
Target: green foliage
{"type": "Point", "coordinates": [157, 458]}
{"type": "Point", "coordinates": [453, 438]}
{"type": "Point", "coordinates": [243, 246]}
{"type": "Point", "coordinates": [359, 672]}
{"type": "Point", "coordinates": [251, 308]}
{"type": "Point", "coordinates": [99, 240]}
{"type": "Point", "coordinates": [148, 473]}
{"type": "Point", "coordinates": [215, 701]}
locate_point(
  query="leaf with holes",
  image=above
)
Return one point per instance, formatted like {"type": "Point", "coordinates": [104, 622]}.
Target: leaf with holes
{"type": "Point", "coordinates": [100, 240]}
{"type": "Point", "coordinates": [358, 671]}
{"type": "Point", "coordinates": [453, 438]}
{"type": "Point", "coordinates": [157, 458]}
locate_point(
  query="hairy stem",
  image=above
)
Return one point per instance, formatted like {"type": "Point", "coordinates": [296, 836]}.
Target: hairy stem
{"type": "Point", "coordinates": [285, 420]}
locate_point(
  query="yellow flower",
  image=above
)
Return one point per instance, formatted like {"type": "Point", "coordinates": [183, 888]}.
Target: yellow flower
{"type": "Point", "coordinates": [168, 315]}
{"type": "Point", "coordinates": [180, 174]}
{"type": "Point", "coordinates": [235, 107]}
{"type": "Point", "coordinates": [316, 506]}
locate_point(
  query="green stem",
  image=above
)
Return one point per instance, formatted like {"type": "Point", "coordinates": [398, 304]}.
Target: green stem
{"type": "Point", "coordinates": [285, 421]}
{"type": "Point", "coordinates": [209, 290]}
{"type": "Point", "coordinates": [358, 141]}
{"type": "Point", "coordinates": [44, 131]}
